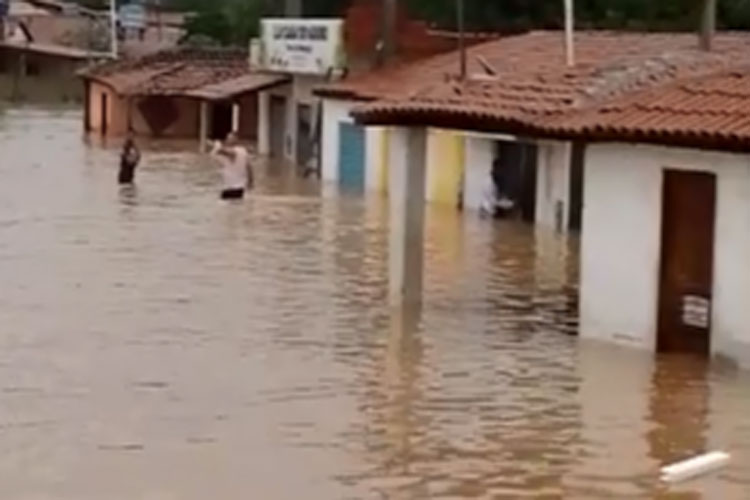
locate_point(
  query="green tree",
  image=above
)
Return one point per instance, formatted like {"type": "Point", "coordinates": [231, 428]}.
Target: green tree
{"type": "Point", "coordinates": [224, 22]}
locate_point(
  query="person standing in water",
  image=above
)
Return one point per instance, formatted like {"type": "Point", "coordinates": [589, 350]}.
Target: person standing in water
{"type": "Point", "coordinates": [234, 167]}
{"type": "Point", "coordinates": [130, 156]}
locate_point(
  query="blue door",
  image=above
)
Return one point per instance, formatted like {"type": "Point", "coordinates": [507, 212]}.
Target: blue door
{"type": "Point", "coordinates": [352, 156]}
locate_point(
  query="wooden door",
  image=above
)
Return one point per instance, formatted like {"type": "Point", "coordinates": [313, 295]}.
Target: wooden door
{"type": "Point", "coordinates": [687, 250]}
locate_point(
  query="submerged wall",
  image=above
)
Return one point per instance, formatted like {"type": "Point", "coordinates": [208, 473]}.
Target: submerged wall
{"type": "Point", "coordinates": [621, 244]}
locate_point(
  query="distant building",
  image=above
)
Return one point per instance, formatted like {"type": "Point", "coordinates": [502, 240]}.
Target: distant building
{"type": "Point", "coordinates": [314, 52]}
{"type": "Point", "coordinates": [307, 52]}
{"type": "Point", "coordinates": [188, 93]}
{"type": "Point", "coordinates": [41, 49]}
{"type": "Point", "coordinates": [40, 73]}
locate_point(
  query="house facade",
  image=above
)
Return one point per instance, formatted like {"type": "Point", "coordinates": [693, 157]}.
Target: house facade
{"type": "Point", "coordinates": [523, 74]}
{"type": "Point", "coordinates": [180, 93]}
{"type": "Point", "coordinates": [651, 142]}
{"type": "Point", "coordinates": [667, 200]}
{"type": "Point", "coordinates": [32, 72]}
{"type": "Point", "coordinates": [308, 52]}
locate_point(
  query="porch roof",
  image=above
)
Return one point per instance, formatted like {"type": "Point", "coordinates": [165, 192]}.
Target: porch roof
{"type": "Point", "coordinates": [52, 50]}
{"type": "Point", "coordinates": [245, 83]}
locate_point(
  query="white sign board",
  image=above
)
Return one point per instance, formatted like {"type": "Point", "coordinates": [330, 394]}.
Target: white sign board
{"type": "Point", "coordinates": [132, 16]}
{"type": "Point", "coordinates": [304, 46]}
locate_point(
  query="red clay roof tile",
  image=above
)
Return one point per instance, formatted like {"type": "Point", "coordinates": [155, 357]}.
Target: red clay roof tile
{"type": "Point", "coordinates": [624, 85]}
{"type": "Point", "coordinates": [206, 73]}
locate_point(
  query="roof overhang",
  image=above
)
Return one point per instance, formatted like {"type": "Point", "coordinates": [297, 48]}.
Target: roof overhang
{"type": "Point", "coordinates": [252, 82]}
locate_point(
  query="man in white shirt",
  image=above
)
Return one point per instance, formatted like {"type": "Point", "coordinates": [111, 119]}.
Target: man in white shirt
{"type": "Point", "coordinates": [234, 167]}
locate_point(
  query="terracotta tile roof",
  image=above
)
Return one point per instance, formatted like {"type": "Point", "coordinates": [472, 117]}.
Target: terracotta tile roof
{"type": "Point", "coordinates": [207, 73]}
{"type": "Point", "coordinates": [228, 88]}
{"type": "Point", "coordinates": [709, 111]}
{"type": "Point", "coordinates": [524, 79]}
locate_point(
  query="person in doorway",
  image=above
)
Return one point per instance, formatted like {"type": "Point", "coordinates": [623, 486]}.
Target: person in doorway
{"type": "Point", "coordinates": [235, 167]}
{"type": "Point", "coordinates": [502, 205]}
{"type": "Point", "coordinates": [130, 156]}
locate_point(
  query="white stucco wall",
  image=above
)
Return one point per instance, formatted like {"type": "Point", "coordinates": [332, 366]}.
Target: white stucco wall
{"type": "Point", "coordinates": [553, 184]}
{"type": "Point", "coordinates": [480, 153]}
{"type": "Point", "coordinates": [621, 241]}
{"type": "Point", "coordinates": [334, 112]}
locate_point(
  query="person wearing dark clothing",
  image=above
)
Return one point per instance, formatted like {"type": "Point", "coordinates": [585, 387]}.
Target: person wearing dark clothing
{"type": "Point", "coordinates": [129, 159]}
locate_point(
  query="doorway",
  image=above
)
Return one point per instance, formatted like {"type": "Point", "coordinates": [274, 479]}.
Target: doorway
{"type": "Point", "coordinates": [105, 115]}
{"type": "Point", "coordinates": [514, 174]}
{"type": "Point", "coordinates": [304, 134]}
{"type": "Point", "coordinates": [687, 254]}
{"type": "Point", "coordinates": [277, 126]}
{"type": "Point", "coordinates": [221, 120]}
{"type": "Point", "coordinates": [575, 211]}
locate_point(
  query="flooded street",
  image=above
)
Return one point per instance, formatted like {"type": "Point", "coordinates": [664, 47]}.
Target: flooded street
{"type": "Point", "coordinates": [160, 344]}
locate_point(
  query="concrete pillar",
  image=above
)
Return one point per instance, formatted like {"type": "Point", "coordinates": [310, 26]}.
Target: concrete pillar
{"type": "Point", "coordinates": [235, 117]}
{"type": "Point", "coordinates": [264, 123]}
{"type": "Point", "coordinates": [203, 125]}
{"type": "Point", "coordinates": [408, 150]}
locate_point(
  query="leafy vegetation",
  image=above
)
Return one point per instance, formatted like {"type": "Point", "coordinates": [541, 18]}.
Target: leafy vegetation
{"type": "Point", "coordinates": [235, 21]}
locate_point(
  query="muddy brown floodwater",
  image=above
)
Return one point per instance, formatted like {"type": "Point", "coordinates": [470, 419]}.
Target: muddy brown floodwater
{"type": "Point", "coordinates": [160, 344]}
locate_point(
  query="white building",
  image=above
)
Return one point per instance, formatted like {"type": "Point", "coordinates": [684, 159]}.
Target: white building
{"type": "Point", "coordinates": [666, 224]}
{"type": "Point", "coordinates": [311, 52]}
{"type": "Point", "coordinates": [457, 162]}
{"type": "Point", "coordinates": [653, 157]}
{"type": "Point", "coordinates": [507, 78]}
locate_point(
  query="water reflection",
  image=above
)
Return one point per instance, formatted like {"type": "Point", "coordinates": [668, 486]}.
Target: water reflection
{"type": "Point", "coordinates": [158, 343]}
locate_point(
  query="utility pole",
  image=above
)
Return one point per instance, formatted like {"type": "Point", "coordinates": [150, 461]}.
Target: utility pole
{"type": "Point", "coordinates": [461, 37]}
{"type": "Point", "coordinates": [293, 8]}
{"type": "Point", "coordinates": [113, 22]}
{"type": "Point", "coordinates": [708, 24]}
{"type": "Point", "coordinates": [389, 28]}
{"type": "Point", "coordinates": [570, 59]}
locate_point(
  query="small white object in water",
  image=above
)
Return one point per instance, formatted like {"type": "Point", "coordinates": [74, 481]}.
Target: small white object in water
{"type": "Point", "coordinates": [694, 467]}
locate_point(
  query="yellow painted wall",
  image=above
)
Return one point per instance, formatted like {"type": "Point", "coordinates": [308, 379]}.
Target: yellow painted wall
{"type": "Point", "coordinates": [384, 154]}
{"type": "Point", "coordinates": [378, 140]}
{"type": "Point", "coordinates": [445, 166]}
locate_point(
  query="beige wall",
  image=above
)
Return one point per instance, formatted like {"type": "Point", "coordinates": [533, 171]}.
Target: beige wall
{"type": "Point", "coordinates": [44, 79]}
{"type": "Point", "coordinates": [185, 125]}
{"type": "Point", "coordinates": [116, 113]}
